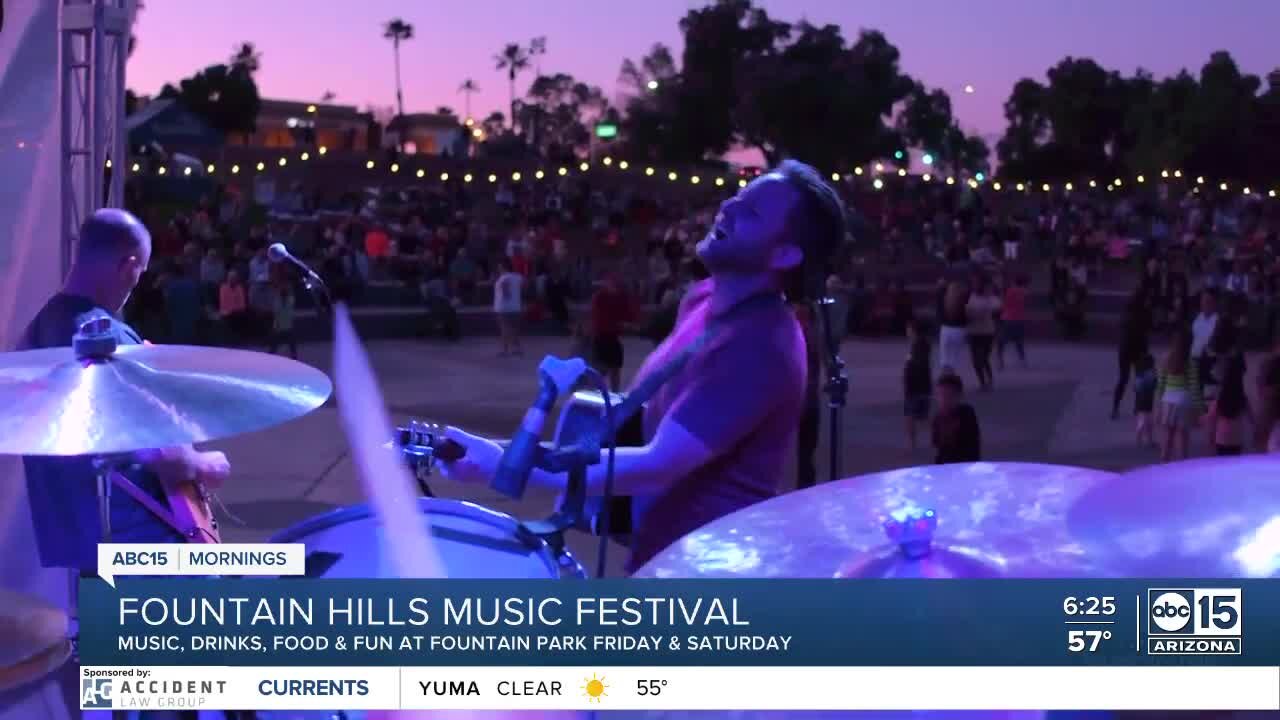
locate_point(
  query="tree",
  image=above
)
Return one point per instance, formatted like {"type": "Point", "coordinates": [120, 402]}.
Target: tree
{"type": "Point", "coordinates": [514, 59]}
{"type": "Point", "coordinates": [246, 58]}
{"type": "Point", "coordinates": [493, 125]}
{"type": "Point", "coordinates": [138, 7]}
{"type": "Point", "coordinates": [446, 111]}
{"type": "Point", "coordinates": [926, 123]}
{"type": "Point", "coordinates": [564, 111]}
{"type": "Point", "coordinates": [226, 98]}
{"type": "Point", "coordinates": [397, 30]}
{"type": "Point", "coordinates": [468, 88]}
{"type": "Point", "coordinates": [818, 100]}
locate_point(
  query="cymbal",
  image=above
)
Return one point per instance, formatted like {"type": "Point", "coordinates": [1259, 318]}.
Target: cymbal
{"type": "Point", "coordinates": [1210, 517]}
{"type": "Point", "coordinates": [33, 639]}
{"type": "Point", "coordinates": [146, 396]}
{"type": "Point", "coordinates": [989, 519]}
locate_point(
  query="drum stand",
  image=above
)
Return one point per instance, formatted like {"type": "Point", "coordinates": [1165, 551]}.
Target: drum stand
{"type": "Point", "coordinates": [573, 460]}
{"type": "Point", "coordinates": [837, 385]}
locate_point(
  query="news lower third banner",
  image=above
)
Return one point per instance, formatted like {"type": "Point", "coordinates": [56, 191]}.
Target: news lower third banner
{"type": "Point", "coordinates": [254, 643]}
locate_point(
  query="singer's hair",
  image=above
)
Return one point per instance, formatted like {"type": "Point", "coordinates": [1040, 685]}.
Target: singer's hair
{"type": "Point", "coordinates": [817, 228]}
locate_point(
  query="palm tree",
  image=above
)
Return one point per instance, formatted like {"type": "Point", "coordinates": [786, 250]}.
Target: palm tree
{"type": "Point", "coordinates": [246, 58]}
{"type": "Point", "coordinates": [515, 60]}
{"type": "Point", "coordinates": [537, 48]}
{"type": "Point", "coordinates": [468, 87]}
{"type": "Point", "coordinates": [395, 31]}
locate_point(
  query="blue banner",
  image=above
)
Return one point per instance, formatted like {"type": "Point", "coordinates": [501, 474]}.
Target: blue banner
{"type": "Point", "coordinates": [251, 622]}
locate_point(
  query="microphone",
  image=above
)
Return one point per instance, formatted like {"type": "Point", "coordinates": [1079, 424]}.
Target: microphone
{"type": "Point", "coordinates": [555, 376]}
{"type": "Point", "coordinates": [278, 253]}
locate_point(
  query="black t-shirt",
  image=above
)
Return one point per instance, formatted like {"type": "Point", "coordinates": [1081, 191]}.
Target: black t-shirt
{"type": "Point", "coordinates": [62, 490]}
{"type": "Point", "coordinates": [956, 435]}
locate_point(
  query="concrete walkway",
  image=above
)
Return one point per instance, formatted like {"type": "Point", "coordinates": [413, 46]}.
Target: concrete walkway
{"type": "Point", "coordinates": [1056, 410]}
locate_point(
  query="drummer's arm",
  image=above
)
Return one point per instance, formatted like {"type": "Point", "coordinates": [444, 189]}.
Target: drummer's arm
{"type": "Point", "coordinates": [673, 453]}
{"type": "Point", "coordinates": [185, 464]}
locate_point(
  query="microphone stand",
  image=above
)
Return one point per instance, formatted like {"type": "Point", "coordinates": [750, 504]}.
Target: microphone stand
{"type": "Point", "coordinates": [837, 384]}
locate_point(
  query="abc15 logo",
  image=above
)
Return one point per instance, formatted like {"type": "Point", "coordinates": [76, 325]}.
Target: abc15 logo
{"type": "Point", "coordinates": [1194, 611]}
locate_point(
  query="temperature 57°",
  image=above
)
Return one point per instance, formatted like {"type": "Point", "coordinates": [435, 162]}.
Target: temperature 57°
{"type": "Point", "coordinates": [1086, 640]}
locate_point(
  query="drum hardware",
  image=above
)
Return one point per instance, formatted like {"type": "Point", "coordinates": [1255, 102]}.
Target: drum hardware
{"type": "Point", "coordinates": [837, 384]}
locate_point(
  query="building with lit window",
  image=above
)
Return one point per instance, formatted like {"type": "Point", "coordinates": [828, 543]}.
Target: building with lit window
{"type": "Point", "coordinates": [426, 134]}
{"type": "Point", "coordinates": [292, 124]}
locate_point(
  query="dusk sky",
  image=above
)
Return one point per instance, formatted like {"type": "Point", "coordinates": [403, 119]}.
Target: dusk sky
{"type": "Point", "coordinates": [310, 46]}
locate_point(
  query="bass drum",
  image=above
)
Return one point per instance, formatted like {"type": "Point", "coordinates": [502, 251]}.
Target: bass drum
{"type": "Point", "coordinates": [473, 542]}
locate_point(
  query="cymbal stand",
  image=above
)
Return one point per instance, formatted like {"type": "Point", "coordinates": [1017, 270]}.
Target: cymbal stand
{"type": "Point", "coordinates": [837, 385]}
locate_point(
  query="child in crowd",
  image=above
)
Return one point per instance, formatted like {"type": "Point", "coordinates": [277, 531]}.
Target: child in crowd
{"type": "Point", "coordinates": [917, 381]}
{"type": "Point", "coordinates": [1229, 411]}
{"type": "Point", "coordinates": [1144, 398]}
{"type": "Point", "coordinates": [1178, 390]}
{"type": "Point", "coordinates": [282, 311]}
{"type": "Point", "coordinates": [957, 436]}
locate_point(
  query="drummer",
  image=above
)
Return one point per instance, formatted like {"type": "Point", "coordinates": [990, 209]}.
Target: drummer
{"type": "Point", "coordinates": [113, 251]}
{"type": "Point", "coordinates": [720, 433]}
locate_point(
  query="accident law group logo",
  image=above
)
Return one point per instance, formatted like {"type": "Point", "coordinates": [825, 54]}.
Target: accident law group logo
{"type": "Point", "coordinates": [95, 693]}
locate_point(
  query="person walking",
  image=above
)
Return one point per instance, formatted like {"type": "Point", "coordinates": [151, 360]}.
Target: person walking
{"type": "Point", "coordinates": [981, 311]}
{"type": "Point", "coordinates": [508, 291]}
{"type": "Point", "coordinates": [1013, 320]}
{"type": "Point", "coordinates": [952, 333]}
{"type": "Point", "coordinates": [1180, 399]}
{"type": "Point", "coordinates": [1134, 343]}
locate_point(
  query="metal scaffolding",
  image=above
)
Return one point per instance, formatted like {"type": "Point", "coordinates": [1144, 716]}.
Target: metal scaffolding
{"type": "Point", "coordinates": [94, 48]}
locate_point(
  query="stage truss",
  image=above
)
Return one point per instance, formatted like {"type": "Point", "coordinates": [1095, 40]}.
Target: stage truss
{"type": "Point", "coordinates": [94, 48]}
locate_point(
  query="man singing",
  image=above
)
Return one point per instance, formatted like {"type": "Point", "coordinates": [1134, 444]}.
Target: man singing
{"type": "Point", "coordinates": [113, 251]}
{"type": "Point", "coordinates": [719, 433]}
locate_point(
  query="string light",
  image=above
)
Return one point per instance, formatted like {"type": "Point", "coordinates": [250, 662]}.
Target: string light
{"type": "Point", "coordinates": [1271, 194]}
{"type": "Point", "coordinates": [1222, 187]}
{"type": "Point", "coordinates": [742, 183]}
{"type": "Point", "coordinates": [583, 167]}
{"type": "Point", "coordinates": [835, 177]}
{"type": "Point", "coordinates": [671, 176]}
{"type": "Point", "coordinates": [927, 177]}
{"type": "Point", "coordinates": [648, 171]}
{"type": "Point", "coordinates": [1164, 173]}
{"type": "Point", "coordinates": [973, 183]}
{"type": "Point", "coordinates": [466, 178]}
{"type": "Point", "coordinates": [323, 150]}
{"type": "Point", "coordinates": [563, 171]}
{"type": "Point", "coordinates": [162, 170]}
{"type": "Point", "coordinates": [210, 168]}
{"type": "Point", "coordinates": [186, 171]}
{"type": "Point", "coordinates": [395, 167]}
{"type": "Point", "coordinates": [493, 178]}
{"type": "Point", "coordinates": [515, 177]}
{"type": "Point", "coordinates": [235, 169]}
{"type": "Point", "coordinates": [695, 179]}
{"type": "Point", "coordinates": [1021, 187]}
{"type": "Point", "coordinates": [1177, 173]}
{"type": "Point", "coordinates": [1045, 187]}
{"type": "Point", "coordinates": [539, 175]}
{"type": "Point", "coordinates": [263, 166]}
{"type": "Point", "coordinates": [1247, 192]}
{"type": "Point", "coordinates": [1200, 180]}
{"type": "Point", "coordinates": [608, 161]}
{"type": "Point", "coordinates": [306, 156]}
{"type": "Point", "coordinates": [444, 177]}
{"type": "Point", "coordinates": [1141, 179]}
{"type": "Point", "coordinates": [902, 172]}
{"type": "Point", "coordinates": [878, 184]}
{"type": "Point", "coordinates": [951, 181]}
{"type": "Point", "coordinates": [1069, 187]}
{"type": "Point", "coordinates": [1093, 183]}
{"type": "Point", "coordinates": [622, 165]}
{"type": "Point", "coordinates": [996, 186]}
{"type": "Point", "coordinates": [1118, 183]}
{"type": "Point", "coordinates": [719, 182]}
{"type": "Point", "coordinates": [879, 167]}
{"type": "Point", "coordinates": [857, 170]}
{"type": "Point", "coordinates": [284, 162]}
{"type": "Point", "coordinates": [136, 167]}
{"type": "Point", "coordinates": [108, 163]}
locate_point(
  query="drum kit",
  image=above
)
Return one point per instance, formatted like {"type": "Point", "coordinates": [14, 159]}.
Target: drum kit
{"type": "Point", "coordinates": [1212, 517]}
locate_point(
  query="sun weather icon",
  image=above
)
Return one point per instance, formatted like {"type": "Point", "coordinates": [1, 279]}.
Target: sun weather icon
{"type": "Point", "coordinates": [594, 688]}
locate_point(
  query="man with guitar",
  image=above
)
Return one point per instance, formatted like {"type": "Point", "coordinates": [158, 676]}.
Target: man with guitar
{"type": "Point", "coordinates": [719, 433]}
{"type": "Point", "coordinates": [113, 251]}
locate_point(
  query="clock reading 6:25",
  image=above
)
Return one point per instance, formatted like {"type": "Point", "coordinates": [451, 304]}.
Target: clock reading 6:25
{"type": "Point", "coordinates": [1089, 606]}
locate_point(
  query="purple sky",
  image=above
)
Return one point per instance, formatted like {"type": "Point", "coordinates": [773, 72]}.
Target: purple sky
{"type": "Point", "coordinates": [310, 46]}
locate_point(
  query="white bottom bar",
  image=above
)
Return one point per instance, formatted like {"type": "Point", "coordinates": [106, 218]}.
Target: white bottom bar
{"type": "Point", "coordinates": [685, 688]}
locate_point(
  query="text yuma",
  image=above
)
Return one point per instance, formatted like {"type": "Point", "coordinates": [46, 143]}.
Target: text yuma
{"type": "Point", "coordinates": [461, 612]}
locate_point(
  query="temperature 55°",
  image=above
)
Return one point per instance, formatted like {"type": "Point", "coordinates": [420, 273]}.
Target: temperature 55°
{"type": "Point", "coordinates": [650, 687]}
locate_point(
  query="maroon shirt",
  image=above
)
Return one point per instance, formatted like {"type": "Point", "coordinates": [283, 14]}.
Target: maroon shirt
{"type": "Point", "coordinates": [741, 395]}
